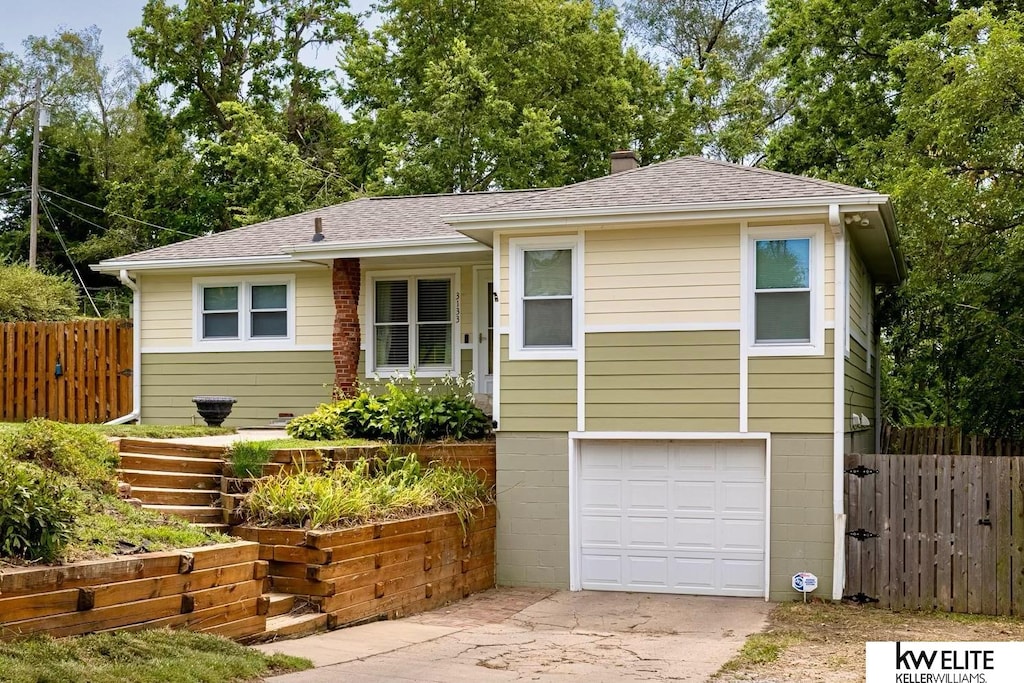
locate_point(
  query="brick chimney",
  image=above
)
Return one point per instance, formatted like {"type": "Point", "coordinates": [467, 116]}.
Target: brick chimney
{"type": "Point", "coordinates": [624, 160]}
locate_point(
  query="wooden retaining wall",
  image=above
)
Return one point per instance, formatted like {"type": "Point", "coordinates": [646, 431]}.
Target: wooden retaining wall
{"type": "Point", "coordinates": [215, 589]}
{"type": "Point", "coordinates": [382, 570]}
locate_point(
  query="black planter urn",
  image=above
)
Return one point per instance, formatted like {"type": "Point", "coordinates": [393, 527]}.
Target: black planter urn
{"type": "Point", "coordinates": [214, 409]}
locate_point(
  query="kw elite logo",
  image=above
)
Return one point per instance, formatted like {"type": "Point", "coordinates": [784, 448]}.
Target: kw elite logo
{"type": "Point", "coordinates": [899, 662]}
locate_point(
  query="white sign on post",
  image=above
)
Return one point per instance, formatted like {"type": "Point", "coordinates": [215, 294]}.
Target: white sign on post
{"type": "Point", "coordinates": [805, 582]}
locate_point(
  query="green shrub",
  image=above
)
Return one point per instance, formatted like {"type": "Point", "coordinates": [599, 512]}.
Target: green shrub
{"type": "Point", "coordinates": [75, 451]}
{"type": "Point", "coordinates": [37, 511]}
{"type": "Point", "coordinates": [366, 490]}
{"type": "Point", "coordinates": [27, 294]}
{"type": "Point", "coordinates": [400, 412]}
{"type": "Point", "coordinates": [248, 458]}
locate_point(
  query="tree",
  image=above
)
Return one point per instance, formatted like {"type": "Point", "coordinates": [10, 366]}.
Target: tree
{"type": "Point", "coordinates": [462, 95]}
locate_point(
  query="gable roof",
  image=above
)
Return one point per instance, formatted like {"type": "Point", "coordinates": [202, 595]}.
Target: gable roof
{"type": "Point", "coordinates": [686, 180]}
{"type": "Point", "coordinates": [365, 220]}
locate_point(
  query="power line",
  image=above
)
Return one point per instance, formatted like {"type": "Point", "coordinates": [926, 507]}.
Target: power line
{"type": "Point", "coordinates": [67, 253]}
{"type": "Point", "coordinates": [20, 189]}
{"type": "Point", "coordinates": [119, 215]}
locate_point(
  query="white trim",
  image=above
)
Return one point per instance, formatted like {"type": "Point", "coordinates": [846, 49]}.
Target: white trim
{"type": "Point", "coordinates": [633, 213]}
{"type": "Point", "coordinates": [748, 239]}
{"type": "Point", "coordinates": [839, 422]}
{"type": "Point", "coordinates": [745, 303]}
{"type": "Point", "coordinates": [411, 275]}
{"type": "Point", "coordinates": [479, 324]}
{"type": "Point", "coordinates": [517, 246]}
{"type": "Point", "coordinates": [575, 581]}
{"type": "Point", "coordinates": [847, 308]}
{"type": "Point", "coordinates": [663, 327]}
{"type": "Point", "coordinates": [579, 309]}
{"type": "Point", "coordinates": [236, 347]}
{"type": "Point", "coordinates": [110, 266]}
{"type": "Point", "coordinates": [244, 341]}
{"type": "Point", "coordinates": [498, 331]}
{"type": "Point", "coordinates": [395, 247]}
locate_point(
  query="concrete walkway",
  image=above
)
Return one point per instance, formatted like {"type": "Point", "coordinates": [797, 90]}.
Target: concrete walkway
{"type": "Point", "coordinates": [523, 634]}
{"type": "Point", "coordinates": [227, 439]}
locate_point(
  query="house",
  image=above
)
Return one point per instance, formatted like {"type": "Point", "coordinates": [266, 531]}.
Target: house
{"type": "Point", "coordinates": [679, 355]}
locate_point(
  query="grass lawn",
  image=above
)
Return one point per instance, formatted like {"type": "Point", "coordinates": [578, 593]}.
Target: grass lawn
{"type": "Point", "coordinates": [144, 431]}
{"type": "Point", "coordinates": [140, 657]}
{"type": "Point", "coordinates": [822, 642]}
{"type": "Point", "coordinates": [277, 444]}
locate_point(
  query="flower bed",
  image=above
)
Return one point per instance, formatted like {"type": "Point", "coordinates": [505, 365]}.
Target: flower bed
{"type": "Point", "coordinates": [383, 570]}
{"type": "Point", "coordinates": [216, 589]}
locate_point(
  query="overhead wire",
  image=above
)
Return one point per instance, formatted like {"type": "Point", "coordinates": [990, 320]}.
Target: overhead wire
{"type": "Point", "coordinates": [67, 253]}
{"type": "Point", "coordinates": [119, 215]}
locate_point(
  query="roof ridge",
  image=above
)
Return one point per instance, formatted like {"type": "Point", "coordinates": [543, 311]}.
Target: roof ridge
{"type": "Point", "coordinates": [522, 190]}
{"type": "Point", "coordinates": [773, 173]}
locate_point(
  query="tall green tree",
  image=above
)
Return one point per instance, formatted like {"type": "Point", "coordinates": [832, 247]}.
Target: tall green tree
{"type": "Point", "coordinates": [459, 95]}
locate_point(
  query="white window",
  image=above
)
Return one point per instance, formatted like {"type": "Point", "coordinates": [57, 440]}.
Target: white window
{"type": "Point", "coordinates": [249, 312]}
{"type": "Point", "coordinates": [545, 287]}
{"type": "Point", "coordinates": [413, 326]}
{"type": "Point", "coordinates": [783, 291]}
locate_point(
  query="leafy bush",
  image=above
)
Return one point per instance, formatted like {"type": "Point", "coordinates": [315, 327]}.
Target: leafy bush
{"type": "Point", "coordinates": [74, 451]}
{"type": "Point", "coordinates": [248, 458]}
{"type": "Point", "coordinates": [364, 491]}
{"type": "Point", "coordinates": [27, 294]}
{"type": "Point", "coordinates": [37, 512]}
{"type": "Point", "coordinates": [400, 412]}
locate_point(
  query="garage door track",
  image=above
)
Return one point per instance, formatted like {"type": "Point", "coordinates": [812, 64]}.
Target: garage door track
{"type": "Point", "coordinates": [512, 634]}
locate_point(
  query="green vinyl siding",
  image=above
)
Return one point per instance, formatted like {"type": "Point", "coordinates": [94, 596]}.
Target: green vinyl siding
{"type": "Point", "coordinates": [662, 381]}
{"type": "Point", "coordinates": [792, 394]}
{"type": "Point", "coordinates": [537, 395]}
{"type": "Point", "coordinates": [859, 397]}
{"type": "Point", "coordinates": [265, 383]}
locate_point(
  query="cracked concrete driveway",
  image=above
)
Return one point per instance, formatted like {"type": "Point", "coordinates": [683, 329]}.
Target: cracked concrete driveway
{"type": "Point", "coordinates": [512, 634]}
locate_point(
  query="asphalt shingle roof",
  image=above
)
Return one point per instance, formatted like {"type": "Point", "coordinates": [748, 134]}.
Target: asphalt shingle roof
{"type": "Point", "coordinates": [361, 220]}
{"type": "Point", "coordinates": [686, 180]}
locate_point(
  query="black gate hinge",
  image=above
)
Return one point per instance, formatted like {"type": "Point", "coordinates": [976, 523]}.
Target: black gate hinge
{"type": "Point", "coordinates": [860, 598]}
{"type": "Point", "coordinates": [861, 471]}
{"type": "Point", "coordinates": [862, 534]}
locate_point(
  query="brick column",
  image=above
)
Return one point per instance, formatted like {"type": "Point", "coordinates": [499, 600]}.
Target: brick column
{"type": "Point", "coordinates": [345, 279]}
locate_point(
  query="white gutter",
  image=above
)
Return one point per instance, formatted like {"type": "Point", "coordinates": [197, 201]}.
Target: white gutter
{"type": "Point", "coordinates": [115, 266]}
{"type": "Point", "coordinates": [136, 413]}
{"type": "Point", "coordinates": [838, 404]}
{"type": "Point", "coordinates": [439, 241]}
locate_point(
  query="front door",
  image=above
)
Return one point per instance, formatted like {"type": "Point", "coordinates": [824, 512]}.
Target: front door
{"type": "Point", "coordinates": [484, 351]}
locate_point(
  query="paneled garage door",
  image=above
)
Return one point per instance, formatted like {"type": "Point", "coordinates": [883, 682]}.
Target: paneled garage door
{"type": "Point", "coordinates": [672, 516]}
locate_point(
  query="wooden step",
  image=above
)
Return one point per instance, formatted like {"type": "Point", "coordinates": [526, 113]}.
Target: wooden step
{"type": "Point", "coordinates": [151, 495]}
{"type": "Point", "coordinates": [170, 480]}
{"type": "Point", "coordinates": [214, 527]}
{"type": "Point", "coordinates": [197, 514]}
{"type": "Point", "coordinates": [171, 463]}
{"type": "Point", "coordinates": [280, 603]}
{"type": "Point", "coordinates": [167, 448]}
{"type": "Point", "coordinates": [291, 626]}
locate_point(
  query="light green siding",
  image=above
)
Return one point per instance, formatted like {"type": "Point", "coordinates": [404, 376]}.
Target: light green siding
{"type": "Point", "coordinates": [533, 502]}
{"type": "Point", "coordinates": [859, 397]}
{"type": "Point", "coordinates": [792, 394]}
{"type": "Point", "coordinates": [802, 532]}
{"type": "Point", "coordinates": [662, 381]}
{"type": "Point", "coordinates": [264, 382]}
{"type": "Point", "coordinates": [537, 395]}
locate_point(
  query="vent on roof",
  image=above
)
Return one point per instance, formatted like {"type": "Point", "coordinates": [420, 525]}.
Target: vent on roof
{"type": "Point", "coordinates": [624, 160]}
{"type": "Point", "coordinates": [318, 229]}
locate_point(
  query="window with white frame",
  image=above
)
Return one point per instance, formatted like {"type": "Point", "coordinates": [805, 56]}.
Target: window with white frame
{"type": "Point", "coordinates": [544, 284]}
{"type": "Point", "coordinates": [244, 310]}
{"type": "Point", "coordinates": [413, 323]}
{"type": "Point", "coordinates": [783, 295]}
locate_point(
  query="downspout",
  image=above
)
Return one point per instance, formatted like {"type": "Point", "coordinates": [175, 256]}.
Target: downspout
{"type": "Point", "coordinates": [840, 306]}
{"type": "Point", "coordinates": [136, 413]}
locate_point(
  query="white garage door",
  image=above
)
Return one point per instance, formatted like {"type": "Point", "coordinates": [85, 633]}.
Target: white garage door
{"type": "Point", "coordinates": [672, 516]}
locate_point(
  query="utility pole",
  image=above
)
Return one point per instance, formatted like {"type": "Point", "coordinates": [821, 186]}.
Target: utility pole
{"type": "Point", "coordinates": [34, 219]}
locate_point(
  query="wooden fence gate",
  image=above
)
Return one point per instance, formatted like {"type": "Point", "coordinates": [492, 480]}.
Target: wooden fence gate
{"type": "Point", "coordinates": [942, 532]}
{"type": "Point", "coordinates": [73, 372]}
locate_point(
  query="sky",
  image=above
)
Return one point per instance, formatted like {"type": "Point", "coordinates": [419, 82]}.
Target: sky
{"type": "Point", "coordinates": [22, 18]}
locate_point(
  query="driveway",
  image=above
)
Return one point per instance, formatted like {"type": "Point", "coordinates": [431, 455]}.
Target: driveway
{"type": "Point", "coordinates": [511, 634]}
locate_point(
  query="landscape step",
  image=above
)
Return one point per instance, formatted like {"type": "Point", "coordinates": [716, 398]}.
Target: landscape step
{"type": "Point", "coordinates": [169, 480]}
{"type": "Point", "coordinates": [190, 513]}
{"type": "Point", "coordinates": [151, 495]}
{"type": "Point", "coordinates": [280, 603]}
{"type": "Point", "coordinates": [171, 463]}
{"type": "Point", "coordinates": [165, 448]}
{"type": "Point", "coordinates": [214, 526]}
{"type": "Point", "coordinates": [291, 626]}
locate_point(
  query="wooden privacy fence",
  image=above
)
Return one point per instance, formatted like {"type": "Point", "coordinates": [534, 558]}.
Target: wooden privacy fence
{"type": "Point", "coordinates": [94, 381]}
{"type": "Point", "coordinates": [944, 441]}
{"type": "Point", "coordinates": [942, 532]}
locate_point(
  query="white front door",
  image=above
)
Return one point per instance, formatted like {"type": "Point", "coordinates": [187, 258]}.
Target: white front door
{"type": "Point", "coordinates": [483, 363]}
{"type": "Point", "coordinates": [672, 516]}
